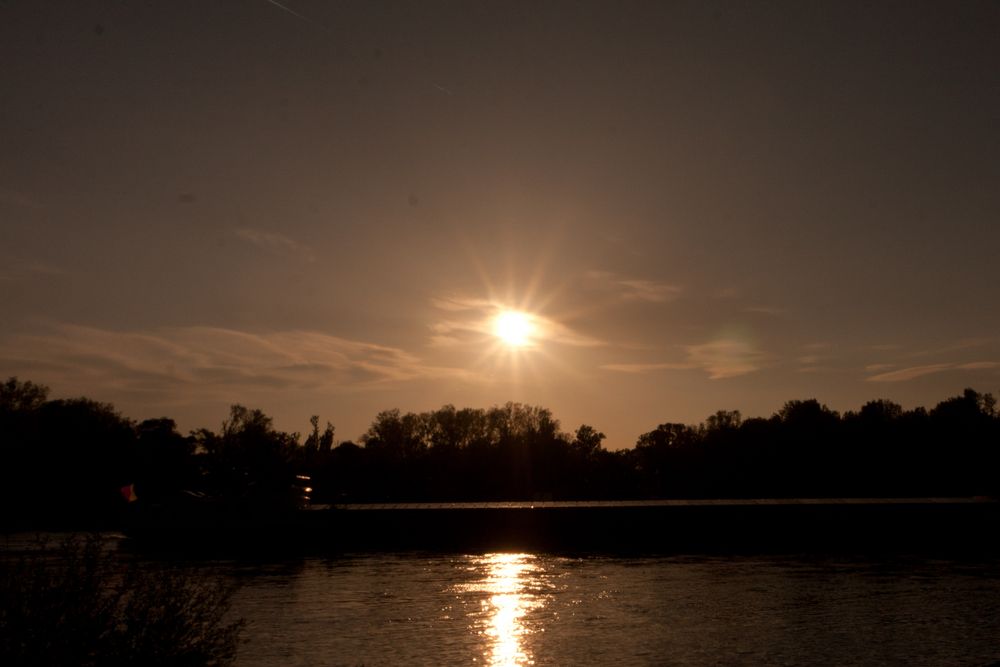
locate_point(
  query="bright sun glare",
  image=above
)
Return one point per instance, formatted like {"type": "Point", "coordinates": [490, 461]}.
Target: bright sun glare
{"type": "Point", "coordinates": [514, 328]}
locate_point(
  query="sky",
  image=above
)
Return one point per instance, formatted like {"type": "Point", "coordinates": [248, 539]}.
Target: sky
{"type": "Point", "coordinates": [318, 207]}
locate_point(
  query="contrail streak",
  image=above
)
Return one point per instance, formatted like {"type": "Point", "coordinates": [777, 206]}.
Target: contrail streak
{"type": "Point", "coordinates": [297, 15]}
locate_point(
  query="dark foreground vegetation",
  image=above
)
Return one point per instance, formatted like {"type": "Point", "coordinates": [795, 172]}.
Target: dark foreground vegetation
{"type": "Point", "coordinates": [78, 603]}
{"type": "Point", "coordinates": [65, 463]}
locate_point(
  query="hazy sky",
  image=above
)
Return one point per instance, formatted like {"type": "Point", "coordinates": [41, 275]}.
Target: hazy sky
{"type": "Point", "coordinates": [317, 207]}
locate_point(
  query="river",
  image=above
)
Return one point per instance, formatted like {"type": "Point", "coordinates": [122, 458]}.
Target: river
{"type": "Point", "coordinates": [539, 609]}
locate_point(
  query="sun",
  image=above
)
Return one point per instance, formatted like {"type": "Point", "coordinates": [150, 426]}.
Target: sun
{"type": "Point", "coordinates": [514, 328]}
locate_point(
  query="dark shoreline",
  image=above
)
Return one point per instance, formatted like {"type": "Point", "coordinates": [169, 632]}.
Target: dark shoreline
{"type": "Point", "coordinates": [925, 525]}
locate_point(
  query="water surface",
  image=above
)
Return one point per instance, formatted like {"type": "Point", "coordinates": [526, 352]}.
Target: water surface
{"type": "Point", "coordinates": [537, 609]}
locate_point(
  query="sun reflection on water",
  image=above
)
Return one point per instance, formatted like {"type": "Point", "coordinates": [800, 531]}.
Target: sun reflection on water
{"type": "Point", "coordinates": [511, 587]}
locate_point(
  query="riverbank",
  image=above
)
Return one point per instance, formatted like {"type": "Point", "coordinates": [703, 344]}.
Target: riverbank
{"type": "Point", "coordinates": [668, 527]}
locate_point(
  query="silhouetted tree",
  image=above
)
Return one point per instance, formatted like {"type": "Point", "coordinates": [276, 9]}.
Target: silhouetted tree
{"type": "Point", "coordinates": [21, 397]}
{"type": "Point", "coordinates": [249, 462]}
{"type": "Point", "coordinates": [165, 462]}
{"type": "Point", "coordinates": [665, 457]}
{"type": "Point", "coordinates": [316, 449]}
{"type": "Point", "coordinates": [61, 462]}
{"type": "Point", "coordinates": [723, 420]}
{"type": "Point", "coordinates": [65, 460]}
{"type": "Point", "coordinates": [966, 437]}
{"type": "Point", "coordinates": [587, 440]}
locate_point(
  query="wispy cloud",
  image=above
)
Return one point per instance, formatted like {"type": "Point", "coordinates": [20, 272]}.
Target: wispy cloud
{"type": "Point", "coordinates": [564, 335]}
{"type": "Point", "coordinates": [720, 359]}
{"type": "Point", "coordinates": [726, 358]}
{"type": "Point", "coordinates": [765, 310]}
{"type": "Point", "coordinates": [979, 366]}
{"type": "Point", "coordinates": [207, 359]}
{"type": "Point", "coordinates": [648, 368]}
{"type": "Point", "coordinates": [875, 368]}
{"type": "Point", "coordinates": [957, 346]}
{"type": "Point", "coordinates": [913, 372]}
{"type": "Point", "coordinates": [12, 198]}
{"type": "Point", "coordinates": [635, 289]}
{"type": "Point", "coordinates": [815, 358]}
{"type": "Point", "coordinates": [733, 293]}
{"type": "Point", "coordinates": [817, 369]}
{"type": "Point", "coordinates": [648, 290]}
{"type": "Point", "coordinates": [460, 304]}
{"type": "Point", "coordinates": [276, 243]}
{"type": "Point", "coordinates": [26, 269]}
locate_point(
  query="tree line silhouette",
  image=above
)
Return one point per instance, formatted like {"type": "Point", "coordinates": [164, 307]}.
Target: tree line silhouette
{"type": "Point", "coordinates": [65, 462]}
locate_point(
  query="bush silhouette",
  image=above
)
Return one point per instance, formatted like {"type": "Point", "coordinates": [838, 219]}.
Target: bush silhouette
{"type": "Point", "coordinates": [79, 604]}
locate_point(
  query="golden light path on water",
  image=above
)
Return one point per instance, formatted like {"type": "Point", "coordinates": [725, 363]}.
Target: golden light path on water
{"type": "Point", "coordinates": [510, 586]}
